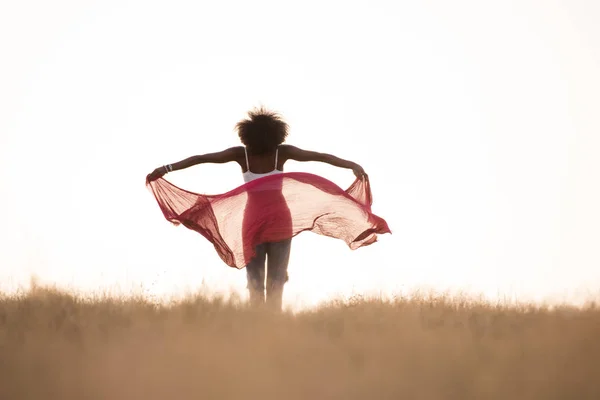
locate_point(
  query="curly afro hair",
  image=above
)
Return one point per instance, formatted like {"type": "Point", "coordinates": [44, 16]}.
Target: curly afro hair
{"type": "Point", "coordinates": [262, 131]}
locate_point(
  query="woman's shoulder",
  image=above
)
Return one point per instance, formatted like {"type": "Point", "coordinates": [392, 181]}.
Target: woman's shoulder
{"type": "Point", "coordinates": [288, 149]}
{"type": "Point", "coordinates": [285, 147]}
{"type": "Point", "coordinates": [235, 153]}
{"type": "Point", "coordinates": [237, 149]}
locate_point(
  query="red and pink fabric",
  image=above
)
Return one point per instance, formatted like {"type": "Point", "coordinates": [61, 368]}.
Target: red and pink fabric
{"type": "Point", "coordinates": [270, 209]}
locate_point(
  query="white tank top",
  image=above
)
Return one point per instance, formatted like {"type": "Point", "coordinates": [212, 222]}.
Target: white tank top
{"type": "Point", "coordinates": [250, 176]}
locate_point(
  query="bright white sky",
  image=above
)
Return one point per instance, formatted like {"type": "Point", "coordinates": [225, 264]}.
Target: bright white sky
{"type": "Point", "coordinates": [477, 122]}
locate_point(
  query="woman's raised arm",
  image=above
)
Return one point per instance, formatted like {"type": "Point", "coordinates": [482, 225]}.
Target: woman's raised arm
{"type": "Point", "coordinates": [298, 154]}
{"type": "Point", "coordinates": [227, 155]}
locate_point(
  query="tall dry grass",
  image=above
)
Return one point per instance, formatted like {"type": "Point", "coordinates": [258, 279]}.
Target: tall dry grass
{"type": "Point", "coordinates": [57, 346]}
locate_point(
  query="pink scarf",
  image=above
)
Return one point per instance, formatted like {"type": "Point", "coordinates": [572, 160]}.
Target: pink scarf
{"type": "Point", "coordinates": [271, 209]}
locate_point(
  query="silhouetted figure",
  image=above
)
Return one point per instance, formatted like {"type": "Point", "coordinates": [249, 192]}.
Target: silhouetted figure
{"type": "Point", "coordinates": [263, 154]}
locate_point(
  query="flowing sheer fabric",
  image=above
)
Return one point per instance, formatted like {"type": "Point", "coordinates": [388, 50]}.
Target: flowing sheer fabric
{"type": "Point", "coordinates": [271, 209]}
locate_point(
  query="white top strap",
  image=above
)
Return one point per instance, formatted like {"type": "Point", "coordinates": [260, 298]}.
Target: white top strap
{"type": "Point", "coordinates": [276, 152]}
{"type": "Point", "coordinates": [247, 163]}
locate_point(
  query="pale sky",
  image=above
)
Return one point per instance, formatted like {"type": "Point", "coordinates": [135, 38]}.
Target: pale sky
{"type": "Point", "coordinates": [477, 122]}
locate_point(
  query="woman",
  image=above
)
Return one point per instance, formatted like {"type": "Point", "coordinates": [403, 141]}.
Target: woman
{"type": "Point", "coordinates": [263, 155]}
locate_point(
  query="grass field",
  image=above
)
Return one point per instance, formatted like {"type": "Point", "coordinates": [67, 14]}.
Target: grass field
{"type": "Point", "coordinates": [58, 346]}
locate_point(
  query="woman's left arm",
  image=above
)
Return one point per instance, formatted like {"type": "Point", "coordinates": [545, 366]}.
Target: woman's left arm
{"type": "Point", "coordinates": [227, 155]}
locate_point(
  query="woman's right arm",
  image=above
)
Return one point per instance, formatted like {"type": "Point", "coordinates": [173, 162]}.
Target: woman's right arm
{"type": "Point", "coordinates": [298, 154]}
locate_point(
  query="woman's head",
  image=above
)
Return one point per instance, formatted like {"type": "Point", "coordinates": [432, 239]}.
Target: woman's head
{"type": "Point", "coordinates": [262, 131]}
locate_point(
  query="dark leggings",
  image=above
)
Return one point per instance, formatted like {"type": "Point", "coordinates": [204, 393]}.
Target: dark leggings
{"type": "Point", "coordinates": [277, 255]}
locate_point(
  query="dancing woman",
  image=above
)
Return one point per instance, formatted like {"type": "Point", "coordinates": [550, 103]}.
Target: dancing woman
{"type": "Point", "coordinates": [262, 155]}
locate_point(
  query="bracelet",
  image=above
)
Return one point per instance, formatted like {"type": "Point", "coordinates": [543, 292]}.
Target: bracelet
{"type": "Point", "coordinates": [168, 168]}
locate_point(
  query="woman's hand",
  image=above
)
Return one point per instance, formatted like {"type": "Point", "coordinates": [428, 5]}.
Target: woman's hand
{"type": "Point", "coordinates": [157, 173]}
{"type": "Point", "coordinates": [359, 171]}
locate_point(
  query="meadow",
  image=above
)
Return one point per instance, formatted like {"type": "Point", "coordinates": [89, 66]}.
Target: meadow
{"type": "Point", "coordinates": [56, 345]}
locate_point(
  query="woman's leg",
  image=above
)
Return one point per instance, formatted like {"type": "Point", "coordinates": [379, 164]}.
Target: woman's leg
{"type": "Point", "coordinates": [255, 272]}
{"type": "Point", "coordinates": [278, 257]}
